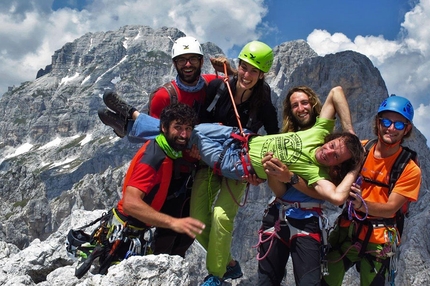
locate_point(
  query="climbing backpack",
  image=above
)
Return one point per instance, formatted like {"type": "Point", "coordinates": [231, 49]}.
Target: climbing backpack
{"type": "Point", "coordinates": [397, 169]}
{"type": "Point", "coordinates": [116, 238]}
{"type": "Point", "coordinates": [171, 90]}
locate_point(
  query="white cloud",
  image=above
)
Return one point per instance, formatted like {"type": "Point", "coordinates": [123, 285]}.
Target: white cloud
{"type": "Point", "coordinates": [422, 119]}
{"type": "Point", "coordinates": [31, 32]}
{"type": "Point", "coordinates": [404, 63]}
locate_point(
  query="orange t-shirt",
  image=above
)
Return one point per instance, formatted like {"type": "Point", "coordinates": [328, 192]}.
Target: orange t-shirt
{"type": "Point", "coordinates": [378, 169]}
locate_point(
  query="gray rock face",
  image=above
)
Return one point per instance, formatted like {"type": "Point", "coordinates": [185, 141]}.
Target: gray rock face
{"type": "Point", "coordinates": [60, 166]}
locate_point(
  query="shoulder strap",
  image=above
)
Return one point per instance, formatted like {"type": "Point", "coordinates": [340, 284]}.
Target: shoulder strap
{"type": "Point", "coordinates": [369, 145]}
{"type": "Point", "coordinates": [171, 90]}
{"type": "Point", "coordinates": [220, 91]}
{"type": "Point", "coordinates": [399, 165]}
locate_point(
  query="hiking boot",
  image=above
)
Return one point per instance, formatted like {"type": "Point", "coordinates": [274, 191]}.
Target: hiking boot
{"type": "Point", "coordinates": [117, 104]}
{"type": "Point", "coordinates": [233, 272]}
{"type": "Point", "coordinates": [211, 280]}
{"type": "Point", "coordinates": [116, 121]}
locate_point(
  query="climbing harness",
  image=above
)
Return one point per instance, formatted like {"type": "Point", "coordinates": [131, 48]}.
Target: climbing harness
{"type": "Point", "coordinates": [282, 220]}
{"type": "Point", "coordinates": [393, 227]}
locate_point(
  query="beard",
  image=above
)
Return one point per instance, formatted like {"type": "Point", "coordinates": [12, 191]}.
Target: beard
{"type": "Point", "coordinates": [189, 78]}
{"type": "Point", "coordinates": [173, 142]}
{"type": "Point", "coordinates": [305, 124]}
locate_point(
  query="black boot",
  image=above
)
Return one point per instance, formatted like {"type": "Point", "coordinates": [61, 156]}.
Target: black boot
{"type": "Point", "coordinates": [117, 104]}
{"type": "Point", "coordinates": [116, 121]}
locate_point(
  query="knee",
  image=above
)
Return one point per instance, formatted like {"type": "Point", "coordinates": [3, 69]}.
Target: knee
{"type": "Point", "coordinates": [220, 217]}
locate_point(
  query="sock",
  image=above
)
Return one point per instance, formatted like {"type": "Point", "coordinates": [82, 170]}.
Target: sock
{"type": "Point", "coordinates": [130, 112]}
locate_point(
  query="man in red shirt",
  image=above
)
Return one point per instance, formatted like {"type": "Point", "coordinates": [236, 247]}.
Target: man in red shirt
{"type": "Point", "coordinates": [189, 87]}
{"type": "Point", "coordinates": [149, 176]}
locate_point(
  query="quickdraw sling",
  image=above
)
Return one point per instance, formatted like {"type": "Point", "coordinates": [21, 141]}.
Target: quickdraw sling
{"type": "Point", "coordinates": [116, 238]}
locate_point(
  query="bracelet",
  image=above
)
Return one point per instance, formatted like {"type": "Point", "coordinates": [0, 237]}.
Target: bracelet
{"type": "Point", "coordinates": [360, 206]}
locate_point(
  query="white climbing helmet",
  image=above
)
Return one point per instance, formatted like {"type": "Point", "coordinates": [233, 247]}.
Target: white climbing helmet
{"type": "Point", "coordinates": [186, 45]}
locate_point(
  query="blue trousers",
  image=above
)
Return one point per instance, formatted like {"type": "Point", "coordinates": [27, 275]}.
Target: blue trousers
{"type": "Point", "coordinates": [212, 140]}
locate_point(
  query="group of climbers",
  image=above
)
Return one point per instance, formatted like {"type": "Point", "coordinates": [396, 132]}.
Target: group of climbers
{"type": "Point", "coordinates": [164, 216]}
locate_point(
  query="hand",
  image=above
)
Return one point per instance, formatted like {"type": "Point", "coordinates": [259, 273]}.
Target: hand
{"type": "Point", "coordinates": [194, 152]}
{"type": "Point", "coordinates": [188, 225]}
{"type": "Point", "coordinates": [253, 179]}
{"type": "Point", "coordinates": [267, 157]}
{"type": "Point", "coordinates": [277, 170]}
{"type": "Point", "coordinates": [218, 65]}
{"type": "Point", "coordinates": [355, 196]}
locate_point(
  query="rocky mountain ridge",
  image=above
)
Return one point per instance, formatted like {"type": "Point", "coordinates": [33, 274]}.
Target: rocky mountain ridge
{"type": "Point", "coordinates": [58, 160]}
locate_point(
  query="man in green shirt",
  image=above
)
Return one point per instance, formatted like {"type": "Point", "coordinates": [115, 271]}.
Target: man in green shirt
{"type": "Point", "coordinates": [310, 154]}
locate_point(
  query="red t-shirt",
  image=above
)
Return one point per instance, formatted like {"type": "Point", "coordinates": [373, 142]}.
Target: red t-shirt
{"type": "Point", "coordinates": [150, 171]}
{"type": "Point", "coordinates": [161, 97]}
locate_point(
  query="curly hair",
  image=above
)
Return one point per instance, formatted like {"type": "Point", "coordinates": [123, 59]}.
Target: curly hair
{"type": "Point", "coordinates": [289, 122]}
{"type": "Point", "coordinates": [177, 111]}
{"type": "Point", "coordinates": [353, 144]}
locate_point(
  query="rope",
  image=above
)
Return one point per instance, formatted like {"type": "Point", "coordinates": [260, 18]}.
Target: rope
{"type": "Point", "coordinates": [353, 213]}
{"type": "Point", "coordinates": [356, 245]}
{"type": "Point", "coordinates": [270, 237]}
{"type": "Point", "coordinates": [242, 133]}
{"type": "Point", "coordinates": [226, 78]}
{"type": "Point", "coordinates": [232, 195]}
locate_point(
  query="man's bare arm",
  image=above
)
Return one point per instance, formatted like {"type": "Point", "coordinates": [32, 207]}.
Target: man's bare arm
{"type": "Point", "coordinates": [137, 208]}
{"type": "Point", "coordinates": [336, 103]}
{"type": "Point", "coordinates": [278, 171]}
{"type": "Point", "coordinates": [337, 195]}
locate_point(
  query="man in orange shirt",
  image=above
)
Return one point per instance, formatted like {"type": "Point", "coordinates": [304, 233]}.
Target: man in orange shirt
{"type": "Point", "coordinates": [367, 233]}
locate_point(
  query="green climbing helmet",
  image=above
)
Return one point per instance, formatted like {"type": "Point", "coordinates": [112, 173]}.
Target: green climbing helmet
{"type": "Point", "coordinates": [257, 54]}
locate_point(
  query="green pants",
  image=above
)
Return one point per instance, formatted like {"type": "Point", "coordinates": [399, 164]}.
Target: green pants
{"type": "Point", "coordinates": [213, 204]}
{"type": "Point", "coordinates": [370, 265]}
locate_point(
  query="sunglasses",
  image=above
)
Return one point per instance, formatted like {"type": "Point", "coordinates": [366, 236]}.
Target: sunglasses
{"type": "Point", "coordinates": [399, 125]}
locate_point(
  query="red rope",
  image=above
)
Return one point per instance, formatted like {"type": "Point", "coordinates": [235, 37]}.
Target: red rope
{"type": "Point", "coordinates": [273, 235]}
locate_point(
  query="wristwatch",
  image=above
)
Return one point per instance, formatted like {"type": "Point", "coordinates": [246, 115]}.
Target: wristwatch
{"type": "Point", "coordinates": [294, 179]}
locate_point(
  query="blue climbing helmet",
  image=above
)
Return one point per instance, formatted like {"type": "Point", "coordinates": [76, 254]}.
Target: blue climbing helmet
{"type": "Point", "coordinates": [398, 104]}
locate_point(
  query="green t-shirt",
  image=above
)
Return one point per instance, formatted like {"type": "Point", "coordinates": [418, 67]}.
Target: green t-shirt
{"type": "Point", "coordinates": [295, 149]}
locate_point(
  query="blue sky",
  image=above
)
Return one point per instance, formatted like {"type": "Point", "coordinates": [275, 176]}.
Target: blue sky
{"type": "Point", "coordinates": [296, 19]}
{"type": "Point", "coordinates": [392, 33]}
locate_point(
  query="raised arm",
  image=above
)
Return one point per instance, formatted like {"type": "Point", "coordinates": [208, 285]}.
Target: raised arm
{"type": "Point", "coordinates": [218, 65]}
{"type": "Point", "coordinates": [336, 103]}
